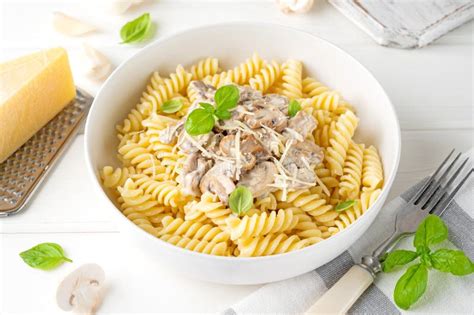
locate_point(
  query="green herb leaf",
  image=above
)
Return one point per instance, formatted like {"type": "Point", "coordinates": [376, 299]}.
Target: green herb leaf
{"type": "Point", "coordinates": [44, 256]}
{"type": "Point", "coordinates": [398, 258]}
{"type": "Point", "coordinates": [199, 122]}
{"type": "Point", "coordinates": [411, 286]}
{"type": "Point", "coordinates": [342, 206]}
{"type": "Point", "coordinates": [136, 30]}
{"type": "Point", "coordinates": [171, 106]}
{"type": "Point", "coordinates": [223, 114]}
{"type": "Point", "coordinates": [453, 261]}
{"type": "Point", "coordinates": [226, 97]}
{"type": "Point", "coordinates": [208, 107]}
{"type": "Point", "coordinates": [431, 230]}
{"type": "Point", "coordinates": [293, 108]}
{"type": "Point", "coordinates": [241, 200]}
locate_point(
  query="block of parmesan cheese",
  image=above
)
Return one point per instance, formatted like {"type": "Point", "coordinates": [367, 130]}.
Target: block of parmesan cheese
{"type": "Point", "coordinates": [33, 89]}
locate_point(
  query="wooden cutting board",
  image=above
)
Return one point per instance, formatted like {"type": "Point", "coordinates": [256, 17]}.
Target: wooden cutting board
{"type": "Point", "coordinates": [406, 23]}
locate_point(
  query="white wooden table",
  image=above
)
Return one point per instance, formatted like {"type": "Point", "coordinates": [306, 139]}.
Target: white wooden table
{"type": "Point", "coordinates": [431, 88]}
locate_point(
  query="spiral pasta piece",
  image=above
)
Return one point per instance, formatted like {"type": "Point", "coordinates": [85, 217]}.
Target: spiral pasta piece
{"type": "Point", "coordinates": [372, 174]}
{"type": "Point", "coordinates": [205, 67]}
{"type": "Point", "coordinates": [349, 216]}
{"type": "Point", "coordinates": [177, 82]}
{"type": "Point", "coordinates": [261, 224]}
{"type": "Point", "coordinates": [193, 230]}
{"type": "Point", "coordinates": [218, 80]}
{"type": "Point", "coordinates": [208, 207]}
{"type": "Point", "coordinates": [246, 70]}
{"type": "Point", "coordinates": [132, 123]}
{"type": "Point", "coordinates": [270, 244]}
{"type": "Point", "coordinates": [266, 203]}
{"type": "Point", "coordinates": [311, 87]}
{"type": "Point", "coordinates": [166, 193]}
{"type": "Point", "coordinates": [266, 77]}
{"type": "Point", "coordinates": [112, 178]}
{"type": "Point", "coordinates": [340, 141]}
{"type": "Point", "coordinates": [292, 79]}
{"type": "Point", "coordinates": [328, 100]}
{"type": "Point", "coordinates": [350, 181]}
{"type": "Point", "coordinates": [218, 249]}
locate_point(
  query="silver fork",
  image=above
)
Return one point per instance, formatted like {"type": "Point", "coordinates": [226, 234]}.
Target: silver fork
{"type": "Point", "coordinates": [432, 198]}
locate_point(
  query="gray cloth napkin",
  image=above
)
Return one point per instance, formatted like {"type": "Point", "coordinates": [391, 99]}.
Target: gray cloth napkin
{"type": "Point", "coordinates": [445, 294]}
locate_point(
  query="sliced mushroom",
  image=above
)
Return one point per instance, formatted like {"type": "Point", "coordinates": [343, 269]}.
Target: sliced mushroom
{"type": "Point", "coordinates": [189, 144]}
{"type": "Point", "coordinates": [250, 145]}
{"type": "Point", "coordinates": [303, 123]}
{"type": "Point", "coordinates": [219, 180]}
{"type": "Point", "coordinates": [81, 290]}
{"type": "Point", "coordinates": [305, 176]}
{"type": "Point", "coordinates": [194, 169]}
{"type": "Point", "coordinates": [270, 117]}
{"type": "Point", "coordinates": [303, 154]}
{"type": "Point", "coordinates": [258, 179]}
{"type": "Point", "coordinates": [70, 26]}
{"type": "Point", "coordinates": [247, 93]}
{"type": "Point", "coordinates": [276, 101]}
{"type": "Point", "coordinates": [205, 92]}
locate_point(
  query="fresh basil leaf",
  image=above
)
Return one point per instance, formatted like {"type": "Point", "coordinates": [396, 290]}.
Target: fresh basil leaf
{"type": "Point", "coordinates": [136, 30]}
{"type": "Point", "coordinates": [44, 256]}
{"type": "Point", "coordinates": [208, 107]}
{"type": "Point", "coordinates": [241, 200]}
{"type": "Point", "coordinates": [398, 258]}
{"type": "Point", "coordinates": [293, 108]}
{"type": "Point", "coordinates": [431, 230]}
{"type": "Point", "coordinates": [342, 206]}
{"type": "Point", "coordinates": [199, 122]}
{"type": "Point", "coordinates": [411, 286]}
{"type": "Point", "coordinates": [226, 97]}
{"type": "Point", "coordinates": [453, 261]}
{"type": "Point", "coordinates": [222, 114]}
{"type": "Point", "coordinates": [171, 106]}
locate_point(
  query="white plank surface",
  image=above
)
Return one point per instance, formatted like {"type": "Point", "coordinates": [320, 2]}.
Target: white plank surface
{"type": "Point", "coordinates": [431, 89]}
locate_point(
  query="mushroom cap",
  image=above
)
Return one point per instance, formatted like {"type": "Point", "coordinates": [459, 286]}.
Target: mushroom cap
{"type": "Point", "coordinates": [87, 274]}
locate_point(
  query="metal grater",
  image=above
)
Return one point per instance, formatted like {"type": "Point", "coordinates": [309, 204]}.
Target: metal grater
{"type": "Point", "coordinates": [22, 173]}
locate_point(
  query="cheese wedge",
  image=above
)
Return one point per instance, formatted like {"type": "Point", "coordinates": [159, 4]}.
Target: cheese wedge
{"type": "Point", "coordinates": [33, 89]}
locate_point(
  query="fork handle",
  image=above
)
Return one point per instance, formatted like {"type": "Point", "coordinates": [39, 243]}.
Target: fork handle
{"type": "Point", "coordinates": [342, 295]}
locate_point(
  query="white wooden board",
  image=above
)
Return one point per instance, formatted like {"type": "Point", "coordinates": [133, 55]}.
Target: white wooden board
{"type": "Point", "coordinates": [406, 24]}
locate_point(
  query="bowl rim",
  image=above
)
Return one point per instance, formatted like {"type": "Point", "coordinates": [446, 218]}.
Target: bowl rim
{"type": "Point", "coordinates": [387, 182]}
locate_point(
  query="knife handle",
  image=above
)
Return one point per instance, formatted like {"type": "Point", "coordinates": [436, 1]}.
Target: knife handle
{"type": "Point", "coordinates": [344, 293]}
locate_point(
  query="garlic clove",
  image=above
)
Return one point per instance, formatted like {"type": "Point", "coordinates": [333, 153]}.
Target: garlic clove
{"type": "Point", "coordinates": [296, 6]}
{"type": "Point", "coordinates": [119, 7]}
{"type": "Point", "coordinates": [99, 65]}
{"type": "Point", "coordinates": [70, 26]}
{"type": "Point", "coordinates": [81, 290]}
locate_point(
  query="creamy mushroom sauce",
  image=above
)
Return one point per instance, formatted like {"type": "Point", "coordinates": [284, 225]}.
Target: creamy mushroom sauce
{"type": "Point", "coordinates": [260, 147]}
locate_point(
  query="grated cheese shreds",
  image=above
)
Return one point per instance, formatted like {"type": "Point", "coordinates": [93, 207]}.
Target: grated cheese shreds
{"type": "Point", "coordinates": [288, 145]}
{"type": "Point", "coordinates": [295, 134]}
{"type": "Point", "coordinates": [237, 155]}
{"type": "Point", "coordinates": [205, 152]}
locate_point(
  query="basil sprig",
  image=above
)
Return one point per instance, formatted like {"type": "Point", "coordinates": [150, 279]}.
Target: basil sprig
{"type": "Point", "coordinates": [136, 30]}
{"type": "Point", "coordinates": [44, 256]}
{"type": "Point", "coordinates": [412, 284]}
{"type": "Point", "coordinates": [343, 206]}
{"type": "Point", "coordinates": [293, 108]}
{"type": "Point", "coordinates": [171, 106]}
{"type": "Point", "coordinates": [241, 200]}
{"type": "Point", "coordinates": [201, 120]}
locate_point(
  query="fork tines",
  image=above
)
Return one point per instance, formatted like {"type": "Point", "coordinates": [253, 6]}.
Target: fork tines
{"type": "Point", "coordinates": [434, 196]}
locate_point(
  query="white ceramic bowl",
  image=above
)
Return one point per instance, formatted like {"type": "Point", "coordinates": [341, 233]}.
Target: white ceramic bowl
{"type": "Point", "coordinates": [232, 43]}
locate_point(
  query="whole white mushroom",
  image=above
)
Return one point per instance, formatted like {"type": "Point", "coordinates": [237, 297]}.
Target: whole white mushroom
{"type": "Point", "coordinates": [295, 6]}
